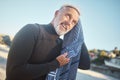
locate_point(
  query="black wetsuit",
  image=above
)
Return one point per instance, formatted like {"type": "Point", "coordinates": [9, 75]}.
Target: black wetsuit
{"type": "Point", "coordinates": [33, 53]}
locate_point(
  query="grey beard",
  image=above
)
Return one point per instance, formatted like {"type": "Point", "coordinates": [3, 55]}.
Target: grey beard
{"type": "Point", "coordinates": [58, 31]}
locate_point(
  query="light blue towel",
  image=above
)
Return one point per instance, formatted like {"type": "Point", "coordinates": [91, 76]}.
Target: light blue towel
{"type": "Point", "coordinates": [72, 44]}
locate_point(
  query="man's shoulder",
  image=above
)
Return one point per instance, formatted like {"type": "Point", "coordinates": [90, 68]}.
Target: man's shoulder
{"type": "Point", "coordinates": [39, 25]}
{"type": "Point", "coordinates": [34, 26]}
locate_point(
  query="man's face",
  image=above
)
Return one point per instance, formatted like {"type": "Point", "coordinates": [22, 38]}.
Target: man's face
{"type": "Point", "coordinates": [65, 19]}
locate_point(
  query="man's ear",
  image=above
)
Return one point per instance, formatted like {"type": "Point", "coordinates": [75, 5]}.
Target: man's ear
{"type": "Point", "coordinates": [56, 12]}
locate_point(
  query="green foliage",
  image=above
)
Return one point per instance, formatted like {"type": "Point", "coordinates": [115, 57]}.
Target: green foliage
{"type": "Point", "coordinates": [117, 52]}
{"type": "Point", "coordinates": [5, 39]}
{"type": "Point", "coordinates": [98, 61]}
{"type": "Point", "coordinates": [103, 53]}
{"type": "Point", "coordinates": [95, 51]}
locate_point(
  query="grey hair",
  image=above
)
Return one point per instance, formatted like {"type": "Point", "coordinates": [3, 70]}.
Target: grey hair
{"type": "Point", "coordinates": [71, 6]}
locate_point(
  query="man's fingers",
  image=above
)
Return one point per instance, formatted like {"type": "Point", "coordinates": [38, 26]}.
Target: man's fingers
{"type": "Point", "coordinates": [63, 59]}
{"type": "Point", "coordinates": [65, 54]}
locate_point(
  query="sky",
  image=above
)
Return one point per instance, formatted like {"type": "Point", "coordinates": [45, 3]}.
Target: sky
{"type": "Point", "coordinates": [100, 18]}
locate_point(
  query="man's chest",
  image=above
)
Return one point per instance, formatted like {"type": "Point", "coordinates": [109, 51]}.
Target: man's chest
{"type": "Point", "coordinates": [45, 50]}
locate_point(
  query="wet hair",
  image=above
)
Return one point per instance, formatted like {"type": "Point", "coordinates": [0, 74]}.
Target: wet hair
{"type": "Point", "coordinates": [71, 6]}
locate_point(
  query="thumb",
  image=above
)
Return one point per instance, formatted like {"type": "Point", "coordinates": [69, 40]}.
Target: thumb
{"type": "Point", "coordinates": [65, 54]}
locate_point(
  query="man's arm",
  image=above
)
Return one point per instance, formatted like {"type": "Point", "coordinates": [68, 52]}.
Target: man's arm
{"type": "Point", "coordinates": [20, 53]}
{"type": "Point", "coordinates": [84, 58]}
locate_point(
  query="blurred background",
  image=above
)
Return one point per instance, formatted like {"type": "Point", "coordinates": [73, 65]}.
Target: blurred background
{"type": "Point", "coordinates": [100, 21]}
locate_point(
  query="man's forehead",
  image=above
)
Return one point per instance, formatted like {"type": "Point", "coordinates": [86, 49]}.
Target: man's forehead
{"type": "Point", "coordinates": [71, 7]}
{"type": "Point", "coordinates": [72, 12]}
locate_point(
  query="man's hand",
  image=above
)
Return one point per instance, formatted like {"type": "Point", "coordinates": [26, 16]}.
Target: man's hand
{"type": "Point", "coordinates": [62, 59]}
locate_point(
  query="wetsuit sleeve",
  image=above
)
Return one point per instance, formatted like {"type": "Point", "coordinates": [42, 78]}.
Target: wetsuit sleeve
{"type": "Point", "coordinates": [84, 58]}
{"type": "Point", "coordinates": [20, 53]}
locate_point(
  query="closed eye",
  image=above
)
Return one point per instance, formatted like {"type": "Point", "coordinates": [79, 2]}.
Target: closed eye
{"type": "Point", "coordinates": [68, 16]}
{"type": "Point", "coordinates": [74, 22]}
